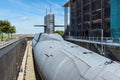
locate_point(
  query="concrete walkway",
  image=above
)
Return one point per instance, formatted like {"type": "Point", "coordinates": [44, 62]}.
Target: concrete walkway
{"type": "Point", "coordinates": [30, 73]}
{"type": "Point", "coordinates": [27, 68]}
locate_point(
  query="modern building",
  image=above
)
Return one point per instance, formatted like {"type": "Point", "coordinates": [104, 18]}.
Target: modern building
{"type": "Point", "coordinates": [115, 18]}
{"type": "Point", "coordinates": [93, 17]}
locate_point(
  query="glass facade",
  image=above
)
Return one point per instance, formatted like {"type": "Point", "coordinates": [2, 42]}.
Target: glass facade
{"type": "Point", "coordinates": [115, 18]}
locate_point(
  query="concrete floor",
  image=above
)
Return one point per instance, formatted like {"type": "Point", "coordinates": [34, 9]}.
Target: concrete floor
{"type": "Point", "coordinates": [27, 68]}
{"type": "Point", "coordinates": [30, 73]}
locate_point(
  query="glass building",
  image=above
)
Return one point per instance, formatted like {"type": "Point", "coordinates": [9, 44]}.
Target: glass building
{"type": "Point", "coordinates": [115, 18]}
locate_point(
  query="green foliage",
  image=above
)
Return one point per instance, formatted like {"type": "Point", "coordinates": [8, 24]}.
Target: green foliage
{"type": "Point", "coordinates": [12, 29]}
{"type": "Point", "coordinates": [6, 27]}
{"type": "Point", "coordinates": [5, 37]}
{"type": "Point", "coordinates": [59, 32]}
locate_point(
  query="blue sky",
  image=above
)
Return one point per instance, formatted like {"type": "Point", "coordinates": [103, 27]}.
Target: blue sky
{"type": "Point", "coordinates": [24, 14]}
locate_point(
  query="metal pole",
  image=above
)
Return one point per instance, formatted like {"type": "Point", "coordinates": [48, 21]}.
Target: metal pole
{"type": "Point", "coordinates": [46, 11]}
{"type": "Point", "coordinates": [90, 18]}
{"type": "Point", "coordinates": [66, 17]}
{"type": "Point", "coordinates": [69, 34]}
{"type": "Point", "coordinates": [102, 26]}
{"type": "Point", "coordinates": [102, 52]}
{"type": "Point", "coordinates": [82, 17]}
{"type": "Point", "coordinates": [50, 7]}
{"type": "Point", "coordinates": [101, 35]}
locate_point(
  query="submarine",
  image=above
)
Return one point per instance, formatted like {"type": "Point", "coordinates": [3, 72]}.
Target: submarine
{"type": "Point", "coordinates": [57, 59]}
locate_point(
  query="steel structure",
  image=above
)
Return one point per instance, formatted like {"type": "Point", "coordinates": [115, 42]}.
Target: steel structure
{"type": "Point", "coordinates": [86, 15]}
{"type": "Point", "coordinates": [49, 23]}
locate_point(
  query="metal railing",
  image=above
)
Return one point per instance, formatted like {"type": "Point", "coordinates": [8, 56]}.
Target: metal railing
{"type": "Point", "coordinates": [96, 39]}
{"type": "Point", "coordinates": [8, 42]}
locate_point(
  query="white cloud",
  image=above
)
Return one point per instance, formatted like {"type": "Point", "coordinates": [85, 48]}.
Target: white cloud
{"type": "Point", "coordinates": [25, 18]}
{"type": "Point", "coordinates": [55, 5]}
{"type": "Point", "coordinates": [27, 27]}
{"type": "Point", "coordinates": [31, 14]}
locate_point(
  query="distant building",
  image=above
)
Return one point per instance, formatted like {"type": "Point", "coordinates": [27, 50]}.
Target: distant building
{"type": "Point", "coordinates": [89, 17]}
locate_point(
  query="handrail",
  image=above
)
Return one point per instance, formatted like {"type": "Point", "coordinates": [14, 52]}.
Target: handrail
{"type": "Point", "coordinates": [96, 39]}
{"type": "Point", "coordinates": [8, 42]}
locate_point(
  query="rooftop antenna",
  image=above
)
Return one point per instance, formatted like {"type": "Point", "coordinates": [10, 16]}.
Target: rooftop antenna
{"type": "Point", "coordinates": [46, 11]}
{"type": "Point", "coordinates": [50, 7]}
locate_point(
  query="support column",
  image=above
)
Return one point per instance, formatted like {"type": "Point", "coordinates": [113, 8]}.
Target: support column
{"type": "Point", "coordinates": [102, 25]}
{"type": "Point", "coordinates": [82, 17]}
{"type": "Point", "coordinates": [66, 17]}
{"type": "Point", "coordinates": [90, 18]}
{"type": "Point", "coordinates": [102, 14]}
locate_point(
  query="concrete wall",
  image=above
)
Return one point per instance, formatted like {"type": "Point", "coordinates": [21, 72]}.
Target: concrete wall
{"type": "Point", "coordinates": [10, 60]}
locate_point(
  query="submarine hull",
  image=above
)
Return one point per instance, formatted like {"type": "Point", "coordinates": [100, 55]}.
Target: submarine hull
{"type": "Point", "coordinates": [57, 59]}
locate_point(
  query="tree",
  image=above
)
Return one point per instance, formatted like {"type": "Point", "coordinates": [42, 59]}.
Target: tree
{"type": "Point", "coordinates": [0, 33]}
{"type": "Point", "coordinates": [0, 29]}
{"type": "Point", "coordinates": [59, 32]}
{"type": "Point", "coordinates": [4, 24]}
{"type": "Point", "coordinates": [5, 27]}
{"type": "Point", "coordinates": [12, 30]}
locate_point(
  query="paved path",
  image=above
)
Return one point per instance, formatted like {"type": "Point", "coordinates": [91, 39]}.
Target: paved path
{"type": "Point", "coordinates": [27, 67]}
{"type": "Point", "coordinates": [30, 73]}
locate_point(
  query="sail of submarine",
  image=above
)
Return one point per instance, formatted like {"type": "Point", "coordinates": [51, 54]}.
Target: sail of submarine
{"type": "Point", "coordinates": [57, 59]}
